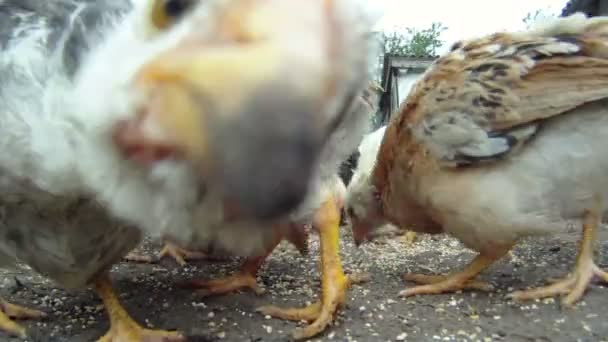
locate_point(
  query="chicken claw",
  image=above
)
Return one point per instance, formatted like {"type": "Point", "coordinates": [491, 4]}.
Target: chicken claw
{"type": "Point", "coordinates": [462, 280]}
{"type": "Point", "coordinates": [180, 255]}
{"type": "Point", "coordinates": [574, 285]}
{"type": "Point", "coordinates": [8, 311]}
{"type": "Point", "coordinates": [245, 278]}
{"type": "Point", "coordinates": [122, 327]}
{"type": "Point", "coordinates": [334, 282]}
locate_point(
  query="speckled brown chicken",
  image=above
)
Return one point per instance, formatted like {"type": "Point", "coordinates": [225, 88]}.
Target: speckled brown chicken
{"type": "Point", "coordinates": [502, 138]}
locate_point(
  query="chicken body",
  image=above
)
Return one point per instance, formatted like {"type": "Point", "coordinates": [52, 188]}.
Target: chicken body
{"type": "Point", "coordinates": [501, 139]}
{"type": "Point", "coordinates": [322, 205]}
{"type": "Point", "coordinates": [90, 157]}
{"type": "Point", "coordinates": [294, 230]}
{"type": "Point", "coordinates": [49, 219]}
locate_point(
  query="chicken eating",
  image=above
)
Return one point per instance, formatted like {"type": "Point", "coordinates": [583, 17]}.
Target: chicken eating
{"type": "Point", "coordinates": [128, 118]}
{"type": "Point", "coordinates": [296, 234]}
{"type": "Point", "coordinates": [502, 138]}
{"type": "Point", "coordinates": [367, 152]}
{"type": "Point", "coordinates": [321, 209]}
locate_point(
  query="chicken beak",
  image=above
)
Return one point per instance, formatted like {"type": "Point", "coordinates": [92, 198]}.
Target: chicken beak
{"type": "Point", "coordinates": [227, 110]}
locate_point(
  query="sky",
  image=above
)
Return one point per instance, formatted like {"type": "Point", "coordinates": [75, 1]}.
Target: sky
{"type": "Point", "coordinates": [463, 18]}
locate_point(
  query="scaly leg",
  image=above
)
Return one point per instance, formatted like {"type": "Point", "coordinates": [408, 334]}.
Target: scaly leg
{"type": "Point", "coordinates": [122, 327]}
{"type": "Point", "coordinates": [8, 311]}
{"type": "Point", "coordinates": [574, 285]}
{"type": "Point", "coordinates": [459, 281]}
{"type": "Point", "coordinates": [334, 281]}
{"type": "Point", "coordinates": [245, 278]}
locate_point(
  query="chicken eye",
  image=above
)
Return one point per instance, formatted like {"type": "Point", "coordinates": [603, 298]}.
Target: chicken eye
{"type": "Point", "coordinates": [167, 12]}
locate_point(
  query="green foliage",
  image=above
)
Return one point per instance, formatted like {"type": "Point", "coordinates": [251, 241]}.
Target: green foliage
{"type": "Point", "coordinates": [414, 42]}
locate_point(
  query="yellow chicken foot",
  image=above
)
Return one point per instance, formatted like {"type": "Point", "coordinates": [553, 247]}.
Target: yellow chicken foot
{"type": "Point", "coordinates": [463, 280]}
{"type": "Point", "coordinates": [334, 282]}
{"type": "Point", "coordinates": [8, 311]}
{"type": "Point", "coordinates": [180, 255]}
{"type": "Point", "coordinates": [122, 327]}
{"type": "Point", "coordinates": [243, 279]}
{"type": "Point", "coordinates": [575, 284]}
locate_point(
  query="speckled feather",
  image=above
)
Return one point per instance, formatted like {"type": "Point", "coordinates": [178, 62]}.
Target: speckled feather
{"type": "Point", "coordinates": [488, 96]}
{"type": "Point", "coordinates": [502, 138]}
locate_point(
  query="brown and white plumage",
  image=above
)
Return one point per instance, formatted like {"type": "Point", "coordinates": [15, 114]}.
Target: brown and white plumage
{"type": "Point", "coordinates": [501, 139]}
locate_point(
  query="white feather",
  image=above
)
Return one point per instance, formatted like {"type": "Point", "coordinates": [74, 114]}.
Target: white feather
{"type": "Point", "coordinates": [359, 194]}
{"type": "Point", "coordinates": [58, 147]}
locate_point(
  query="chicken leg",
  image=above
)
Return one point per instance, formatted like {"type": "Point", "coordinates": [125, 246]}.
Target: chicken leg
{"type": "Point", "coordinates": [122, 327]}
{"type": "Point", "coordinates": [334, 282]}
{"type": "Point", "coordinates": [8, 311]}
{"type": "Point", "coordinates": [575, 284]}
{"type": "Point", "coordinates": [180, 255]}
{"type": "Point", "coordinates": [463, 280]}
{"type": "Point", "coordinates": [245, 278]}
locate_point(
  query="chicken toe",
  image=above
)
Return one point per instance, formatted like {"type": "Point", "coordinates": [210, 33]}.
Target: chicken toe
{"type": "Point", "coordinates": [334, 282]}
{"type": "Point", "coordinates": [180, 255]}
{"type": "Point", "coordinates": [245, 278]}
{"type": "Point", "coordinates": [574, 285]}
{"type": "Point", "coordinates": [122, 327]}
{"type": "Point", "coordinates": [463, 280]}
{"type": "Point", "coordinates": [9, 311]}
{"type": "Point", "coordinates": [435, 284]}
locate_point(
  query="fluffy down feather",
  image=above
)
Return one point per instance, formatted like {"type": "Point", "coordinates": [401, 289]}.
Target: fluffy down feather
{"type": "Point", "coordinates": [227, 238]}
{"type": "Point", "coordinates": [63, 172]}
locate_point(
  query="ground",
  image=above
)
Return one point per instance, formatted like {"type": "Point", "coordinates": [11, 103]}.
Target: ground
{"type": "Point", "coordinates": [374, 311]}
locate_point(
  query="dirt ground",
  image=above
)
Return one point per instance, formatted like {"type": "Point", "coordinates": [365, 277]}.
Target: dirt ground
{"type": "Point", "coordinates": [374, 312]}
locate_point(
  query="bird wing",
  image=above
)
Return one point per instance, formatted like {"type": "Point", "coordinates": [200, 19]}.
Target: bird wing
{"type": "Point", "coordinates": [487, 97]}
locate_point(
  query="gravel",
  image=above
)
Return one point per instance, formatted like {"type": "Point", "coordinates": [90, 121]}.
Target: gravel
{"type": "Point", "coordinates": [374, 311]}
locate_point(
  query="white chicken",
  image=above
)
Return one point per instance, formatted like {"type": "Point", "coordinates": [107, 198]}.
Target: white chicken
{"type": "Point", "coordinates": [111, 122]}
